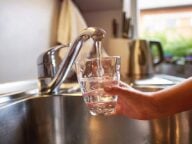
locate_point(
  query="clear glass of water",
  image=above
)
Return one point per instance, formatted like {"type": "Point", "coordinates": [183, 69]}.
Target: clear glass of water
{"type": "Point", "coordinates": [93, 74]}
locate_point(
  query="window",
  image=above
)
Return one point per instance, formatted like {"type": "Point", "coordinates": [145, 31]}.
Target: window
{"type": "Point", "coordinates": [169, 22]}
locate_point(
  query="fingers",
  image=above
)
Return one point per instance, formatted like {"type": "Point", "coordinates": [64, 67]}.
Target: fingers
{"type": "Point", "coordinates": [122, 84]}
{"type": "Point", "coordinates": [125, 85]}
{"type": "Point", "coordinates": [117, 110]}
{"type": "Point", "coordinates": [115, 90]}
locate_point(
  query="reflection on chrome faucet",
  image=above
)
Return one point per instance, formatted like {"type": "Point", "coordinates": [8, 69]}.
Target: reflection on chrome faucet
{"type": "Point", "coordinates": [50, 77]}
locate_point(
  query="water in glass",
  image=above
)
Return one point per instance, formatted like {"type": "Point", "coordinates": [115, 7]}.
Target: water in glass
{"type": "Point", "coordinates": [97, 100]}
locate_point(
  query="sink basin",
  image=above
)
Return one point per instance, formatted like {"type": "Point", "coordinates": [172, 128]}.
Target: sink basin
{"type": "Point", "coordinates": [62, 119]}
{"type": "Point", "coordinates": [30, 118]}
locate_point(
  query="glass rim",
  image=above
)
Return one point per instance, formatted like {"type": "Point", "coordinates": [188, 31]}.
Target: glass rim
{"type": "Point", "coordinates": [91, 59]}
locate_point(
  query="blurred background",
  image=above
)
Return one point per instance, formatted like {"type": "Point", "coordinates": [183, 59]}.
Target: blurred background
{"type": "Point", "coordinates": [27, 28]}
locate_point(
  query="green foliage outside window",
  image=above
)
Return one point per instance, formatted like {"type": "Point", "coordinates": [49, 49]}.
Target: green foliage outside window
{"type": "Point", "coordinates": [174, 44]}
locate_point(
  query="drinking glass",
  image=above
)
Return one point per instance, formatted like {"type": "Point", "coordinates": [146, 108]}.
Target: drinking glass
{"type": "Point", "coordinates": [93, 74]}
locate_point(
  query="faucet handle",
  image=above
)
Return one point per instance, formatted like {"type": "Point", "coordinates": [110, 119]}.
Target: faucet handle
{"type": "Point", "coordinates": [48, 63]}
{"type": "Point", "coordinates": [50, 55]}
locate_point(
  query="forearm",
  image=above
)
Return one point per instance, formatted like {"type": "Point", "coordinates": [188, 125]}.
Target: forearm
{"type": "Point", "coordinates": [175, 99]}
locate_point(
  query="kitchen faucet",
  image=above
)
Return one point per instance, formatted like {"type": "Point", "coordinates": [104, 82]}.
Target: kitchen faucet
{"type": "Point", "coordinates": [50, 76]}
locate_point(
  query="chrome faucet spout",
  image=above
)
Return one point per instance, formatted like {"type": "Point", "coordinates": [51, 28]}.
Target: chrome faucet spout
{"type": "Point", "coordinates": [50, 83]}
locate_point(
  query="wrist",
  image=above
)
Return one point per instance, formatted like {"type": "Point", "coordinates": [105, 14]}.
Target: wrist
{"type": "Point", "coordinates": [161, 107]}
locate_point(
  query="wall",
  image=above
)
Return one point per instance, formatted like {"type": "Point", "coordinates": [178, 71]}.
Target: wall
{"type": "Point", "coordinates": [99, 13]}
{"type": "Point", "coordinates": [104, 19]}
{"type": "Point", "coordinates": [27, 27]}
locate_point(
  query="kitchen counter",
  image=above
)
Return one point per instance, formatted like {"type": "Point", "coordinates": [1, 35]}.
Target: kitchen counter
{"type": "Point", "coordinates": [19, 86]}
{"type": "Point", "coordinates": [17, 90]}
{"type": "Point", "coordinates": [158, 81]}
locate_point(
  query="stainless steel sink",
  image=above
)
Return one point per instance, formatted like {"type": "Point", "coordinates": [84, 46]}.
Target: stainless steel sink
{"type": "Point", "coordinates": [65, 120]}
{"type": "Point", "coordinates": [30, 118]}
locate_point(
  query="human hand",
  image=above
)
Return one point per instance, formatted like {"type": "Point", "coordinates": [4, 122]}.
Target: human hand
{"type": "Point", "coordinates": [133, 103]}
